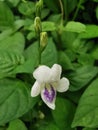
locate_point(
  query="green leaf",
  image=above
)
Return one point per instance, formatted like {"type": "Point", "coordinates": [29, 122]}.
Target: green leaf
{"type": "Point", "coordinates": [55, 18]}
{"type": "Point", "coordinates": [8, 62]}
{"type": "Point", "coordinates": [69, 6]}
{"type": "Point", "coordinates": [2, 128]}
{"type": "Point", "coordinates": [8, 32]}
{"type": "Point", "coordinates": [87, 111]}
{"type": "Point", "coordinates": [85, 59]}
{"type": "Point", "coordinates": [53, 5]}
{"type": "Point", "coordinates": [6, 16]}
{"type": "Point", "coordinates": [48, 26]}
{"type": "Point", "coordinates": [14, 2]}
{"type": "Point", "coordinates": [82, 76]}
{"type": "Point", "coordinates": [16, 125]}
{"type": "Point", "coordinates": [89, 129]}
{"type": "Point", "coordinates": [81, 46]}
{"type": "Point", "coordinates": [97, 12]}
{"type": "Point", "coordinates": [13, 43]}
{"type": "Point", "coordinates": [31, 55]}
{"type": "Point", "coordinates": [11, 53]}
{"type": "Point", "coordinates": [91, 32]}
{"type": "Point", "coordinates": [31, 35]}
{"type": "Point", "coordinates": [27, 8]}
{"type": "Point", "coordinates": [15, 99]}
{"type": "Point", "coordinates": [67, 42]}
{"type": "Point", "coordinates": [95, 0]}
{"type": "Point", "coordinates": [95, 52]}
{"type": "Point", "coordinates": [62, 115]}
{"type": "Point", "coordinates": [49, 55]}
{"type": "Point", "coordinates": [49, 126]}
{"type": "Point", "coordinates": [64, 61]}
{"type": "Point", "coordinates": [75, 27]}
{"type": "Point", "coordinates": [44, 13]}
{"type": "Point", "coordinates": [74, 96]}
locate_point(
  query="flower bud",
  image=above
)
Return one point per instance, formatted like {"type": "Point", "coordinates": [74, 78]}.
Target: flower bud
{"type": "Point", "coordinates": [39, 6]}
{"type": "Point", "coordinates": [43, 40]}
{"type": "Point", "coordinates": [37, 25]}
{"type": "Point", "coordinates": [41, 115]}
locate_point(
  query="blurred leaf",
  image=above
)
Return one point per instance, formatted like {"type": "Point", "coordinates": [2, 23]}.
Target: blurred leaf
{"type": "Point", "coordinates": [89, 129]}
{"type": "Point", "coordinates": [49, 55]}
{"type": "Point", "coordinates": [62, 115]}
{"type": "Point", "coordinates": [13, 43]}
{"type": "Point", "coordinates": [71, 54]}
{"type": "Point", "coordinates": [14, 2]}
{"type": "Point", "coordinates": [2, 128]}
{"type": "Point", "coordinates": [64, 61]}
{"type": "Point", "coordinates": [48, 26]}
{"type": "Point", "coordinates": [55, 18]}
{"type": "Point", "coordinates": [85, 59]}
{"type": "Point", "coordinates": [82, 76]}
{"type": "Point", "coordinates": [6, 33]}
{"type": "Point", "coordinates": [48, 126]}
{"type": "Point", "coordinates": [27, 8]}
{"type": "Point", "coordinates": [15, 99]}
{"type": "Point", "coordinates": [69, 6]}
{"type": "Point", "coordinates": [8, 62]}
{"type": "Point", "coordinates": [91, 32]}
{"type": "Point", "coordinates": [97, 12]}
{"type": "Point", "coordinates": [53, 5]}
{"type": "Point", "coordinates": [31, 55]}
{"type": "Point", "coordinates": [18, 24]}
{"type": "Point", "coordinates": [95, 0]}
{"type": "Point", "coordinates": [68, 40]}
{"type": "Point", "coordinates": [95, 52]}
{"type": "Point", "coordinates": [11, 53]}
{"type": "Point", "coordinates": [45, 12]}
{"type": "Point", "coordinates": [74, 43]}
{"type": "Point", "coordinates": [16, 125]}
{"type": "Point", "coordinates": [74, 96]}
{"type": "Point", "coordinates": [75, 27]}
{"type": "Point", "coordinates": [6, 16]}
{"type": "Point", "coordinates": [31, 35]}
{"type": "Point", "coordinates": [81, 46]}
{"type": "Point", "coordinates": [87, 111]}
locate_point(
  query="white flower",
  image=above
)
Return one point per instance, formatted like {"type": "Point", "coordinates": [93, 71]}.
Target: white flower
{"type": "Point", "coordinates": [48, 82]}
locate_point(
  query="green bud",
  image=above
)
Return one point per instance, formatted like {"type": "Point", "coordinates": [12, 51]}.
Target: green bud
{"type": "Point", "coordinates": [41, 115]}
{"type": "Point", "coordinates": [39, 6]}
{"type": "Point", "coordinates": [43, 40]}
{"type": "Point", "coordinates": [37, 25]}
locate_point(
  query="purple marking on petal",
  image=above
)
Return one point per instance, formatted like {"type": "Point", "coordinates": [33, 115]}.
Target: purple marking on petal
{"type": "Point", "coordinates": [49, 94]}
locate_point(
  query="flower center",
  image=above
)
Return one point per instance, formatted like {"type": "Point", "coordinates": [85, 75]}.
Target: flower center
{"type": "Point", "coordinates": [49, 93]}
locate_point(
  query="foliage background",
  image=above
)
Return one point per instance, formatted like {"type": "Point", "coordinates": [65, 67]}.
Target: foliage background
{"type": "Point", "coordinates": [72, 42]}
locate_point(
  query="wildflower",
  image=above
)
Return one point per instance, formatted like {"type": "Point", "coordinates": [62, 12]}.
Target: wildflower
{"type": "Point", "coordinates": [48, 82]}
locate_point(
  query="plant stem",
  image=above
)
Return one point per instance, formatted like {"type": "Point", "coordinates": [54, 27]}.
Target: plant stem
{"type": "Point", "coordinates": [77, 10]}
{"type": "Point", "coordinates": [62, 11]}
{"type": "Point", "coordinates": [39, 49]}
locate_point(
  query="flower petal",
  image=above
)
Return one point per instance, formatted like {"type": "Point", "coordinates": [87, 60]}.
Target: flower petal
{"type": "Point", "coordinates": [42, 74]}
{"type": "Point", "coordinates": [49, 96]}
{"type": "Point", "coordinates": [36, 88]}
{"type": "Point", "coordinates": [63, 85]}
{"type": "Point", "coordinates": [56, 72]}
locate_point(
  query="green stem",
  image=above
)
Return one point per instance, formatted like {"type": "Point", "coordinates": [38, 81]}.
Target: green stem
{"type": "Point", "coordinates": [62, 11]}
{"type": "Point", "coordinates": [77, 10]}
{"type": "Point", "coordinates": [39, 49]}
